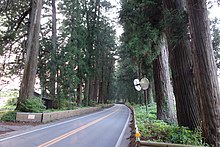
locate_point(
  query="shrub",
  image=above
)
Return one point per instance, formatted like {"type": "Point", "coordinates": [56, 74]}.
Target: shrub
{"type": "Point", "coordinates": [183, 135]}
{"type": "Point", "coordinates": [9, 116]}
{"type": "Point", "coordinates": [12, 101]}
{"type": "Point", "coordinates": [10, 105]}
{"type": "Point", "coordinates": [33, 105]}
{"type": "Point", "coordinates": [156, 130]}
{"type": "Point", "coordinates": [92, 103]}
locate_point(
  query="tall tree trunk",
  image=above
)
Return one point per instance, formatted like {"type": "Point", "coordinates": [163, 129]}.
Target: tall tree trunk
{"type": "Point", "coordinates": [166, 84]}
{"type": "Point", "coordinates": [180, 57]}
{"type": "Point", "coordinates": [79, 93]}
{"type": "Point", "coordinates": [139, 77]}
{"type": "Point", "coordinates": [101, 86]}
{"type": "Point", "coordinates": [95, 93]}
{"type": "Point", "coordinates": [30, 68]}
{"type": "Point", "coordinates": [163, 87]}
{"type": "Point", "coordinates": [53, 52]}
{"type": "Point", "coordinates": [150, 94]}
{"type": "Point", "coordinates": [86, 92]}
{"type": "Point", "coordinates": [206, 71]}
{"type": "Point", "coordinates": [157, 67]}
{"type": "Point", "coordinates": [91, 88]}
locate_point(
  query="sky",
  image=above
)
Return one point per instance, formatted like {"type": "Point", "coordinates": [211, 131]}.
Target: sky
{"type": "Point", "coordinates": [214, 12]}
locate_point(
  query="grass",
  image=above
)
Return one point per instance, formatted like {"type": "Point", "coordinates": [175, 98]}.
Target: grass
{"type": "Point", "coordinates": [9, 116]}
{"type": "Point", "coordinates": [152, 129]}
{"type": "Point", "coordinates": [9, 93]}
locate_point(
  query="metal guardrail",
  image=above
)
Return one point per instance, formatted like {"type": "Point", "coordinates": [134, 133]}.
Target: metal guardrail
{"type": "Point", "coordinates": [163, 144]}
{"type": "Point", "coordinates": [137, 134]}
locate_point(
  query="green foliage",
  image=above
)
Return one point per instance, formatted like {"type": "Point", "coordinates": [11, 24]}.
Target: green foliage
{"type": "Point", "coordinates": [183, 135]}
{"type": "Point", "coordinates": [12, 101]}
{"type": "Point", "coordinates": [178, 20]}
{"type": "Point", "coordinates": [157, 130]}
{"type": "Point", "coordinates": [33, 105]}
{"type": "Point", "coordinates": [85, 102]}
{"type": "Point", "coordinates": [89, 46]}
{"type": "Point", "coordinates": [8, 107]}
{"type": "Point", "coordinates": [9, 116]}
{"type": "Point", "coordinates": [92, 103]}
{"type": "Point", "coordinates": [85, 45]}
{"type": "Point", "coordinates": [13, 34]}
{"type": "Point", "coordinates": [11, 97]}
{"type": "Point", "coordinates": [124, 88]}
{"type": "Point", "coordinates": [216, 40]}
{"type": "Point", "coordinates": [141, 21]}
{"type": "Point", "coordinates": [9, 93]}
{"type": "Point", "coordinates": [61, 103]}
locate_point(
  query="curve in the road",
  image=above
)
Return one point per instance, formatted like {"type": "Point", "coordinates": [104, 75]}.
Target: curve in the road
{"type": "Point", "coordinates": [55, 140]}
{"type": "Point", "coordinates": [100, 129]}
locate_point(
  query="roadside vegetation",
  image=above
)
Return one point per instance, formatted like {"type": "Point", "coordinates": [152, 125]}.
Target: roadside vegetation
{"type": "Point", "coordinates": [8, 100]}
{"type": "Point", "coordinates": [8, 103]}
{"type": "Point", "coordinates": [35, 105]}
{"type": "Point", "coordinates": [9, 116]}
{"type": "Point", "coordinates": [155, 130]}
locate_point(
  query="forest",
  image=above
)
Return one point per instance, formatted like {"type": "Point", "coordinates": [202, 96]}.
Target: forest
{"type": "Point", "coordinates": [71, 48]}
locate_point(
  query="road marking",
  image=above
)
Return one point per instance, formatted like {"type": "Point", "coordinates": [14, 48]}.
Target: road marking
{"type": "Point", "coordinates": [57, 124]}
{"type": "Point", "coordinates": [123, 131]}
{"type": "Point", "coordinates": [55, 140]}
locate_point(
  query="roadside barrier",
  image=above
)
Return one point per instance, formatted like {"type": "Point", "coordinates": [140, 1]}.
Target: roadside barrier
{"type": "Point", "coordinates": [136, 134]}
{"type": "Point", "coordinates": [162, 144]}
{"type": "Point", "coordinates": [52, 116]}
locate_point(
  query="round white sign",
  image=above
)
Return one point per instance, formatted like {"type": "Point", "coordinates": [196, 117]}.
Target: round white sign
{"type": "Point", "coordinates": [138, 87]}
{"type": "Point", "coordinates": [136, 82]}
{"type": "Point", "coordinates": [144, 83]}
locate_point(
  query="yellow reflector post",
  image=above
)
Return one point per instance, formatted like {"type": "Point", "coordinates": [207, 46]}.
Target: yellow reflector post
{"type": "Point", "coordinates": [137, 134]}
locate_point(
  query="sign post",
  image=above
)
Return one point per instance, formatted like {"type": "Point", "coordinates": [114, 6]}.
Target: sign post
{"type": "Point", "coordinates": [143, 84]}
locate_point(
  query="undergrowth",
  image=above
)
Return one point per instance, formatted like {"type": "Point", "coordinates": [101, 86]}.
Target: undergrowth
{"type": "Point", "coordinates": [9, 116]}
{"type": "Point", "coordinates": [156, 130]}
{"type": "Point", "coordinates": [33, 105]}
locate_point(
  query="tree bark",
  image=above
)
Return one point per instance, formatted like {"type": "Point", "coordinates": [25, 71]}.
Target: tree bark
{"type": "Point", "coordinates": [86, 92]}
{"type": "Point", "coordinates": [157, 67]}
{"type": "Point", "coordinates": [139, 77]}
{"type": "Point", "coordinates": [180, 59]}
{"type": "Point", "coordinates": [95, 91]}
{"type": "Point", "coordinates": [53, 52]}
{"type": "Point", "coordinates": [101, 85]}
{"type": "Point", "coordinates": [150, 94]}
{"type": "Point", "coordinates": [30, 69]}
{"type": "Point", "coordinates": [79, 94]}
{"type": "Point", "coordinates": [166, 84]}
{"type": "Point", "coordinates": [163, 87]}
{"type": "Point", "coordinates": [206, 71]}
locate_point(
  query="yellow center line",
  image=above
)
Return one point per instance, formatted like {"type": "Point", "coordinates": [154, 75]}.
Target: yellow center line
{"type": "Point", "coordinates": [57, 139]}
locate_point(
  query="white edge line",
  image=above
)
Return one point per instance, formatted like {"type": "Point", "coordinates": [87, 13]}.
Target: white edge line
{"type": "Point", "coordinates": [14, 136]}
{"type": "Point", "coordinates": [123, 131]}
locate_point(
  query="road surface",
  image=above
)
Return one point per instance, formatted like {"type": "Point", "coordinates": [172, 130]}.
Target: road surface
{"type": "Point", "coordinates": [100, 129]}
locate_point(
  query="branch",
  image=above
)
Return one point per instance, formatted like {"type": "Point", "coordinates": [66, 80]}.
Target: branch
{"type": "Point", "coordinates": [22, 18]}
{"type": "Point", "coordinates": [19, 21]}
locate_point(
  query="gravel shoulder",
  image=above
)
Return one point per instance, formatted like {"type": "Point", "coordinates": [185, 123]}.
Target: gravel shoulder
{"type": "Point", "coordinates": [15, 126]}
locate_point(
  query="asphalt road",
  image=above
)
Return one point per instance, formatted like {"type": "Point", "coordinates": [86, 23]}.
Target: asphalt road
{"type": "Point", "coordinates": [100, 129]}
